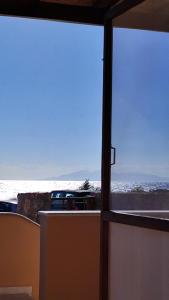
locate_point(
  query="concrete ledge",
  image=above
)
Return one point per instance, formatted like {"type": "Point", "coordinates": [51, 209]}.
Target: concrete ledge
{"type": "Point", "coordinates": [75, 213]}
{"type": "Point", "coordinates": [157, 214]}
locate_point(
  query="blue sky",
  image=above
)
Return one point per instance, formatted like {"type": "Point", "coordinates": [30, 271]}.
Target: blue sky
{"type": "Point", "coordinates": [50, 95]}
{"type": "Point", "coordinates": [51, 99]}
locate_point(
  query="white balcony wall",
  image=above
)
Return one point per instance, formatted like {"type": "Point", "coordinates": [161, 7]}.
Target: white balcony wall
{"type": "Point", "coordinates": [138, 263]}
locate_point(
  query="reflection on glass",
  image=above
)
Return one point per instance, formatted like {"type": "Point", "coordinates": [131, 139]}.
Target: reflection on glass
{"type": "Point", "coordinates": [140, 112]}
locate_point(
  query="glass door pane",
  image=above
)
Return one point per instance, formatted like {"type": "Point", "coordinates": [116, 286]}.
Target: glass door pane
{"type": "Point", "coordinates": [140, 123]}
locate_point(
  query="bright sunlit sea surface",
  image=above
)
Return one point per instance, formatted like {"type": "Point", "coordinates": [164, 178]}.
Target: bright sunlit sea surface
{"type": "Point", "coordinates": [10, 188]}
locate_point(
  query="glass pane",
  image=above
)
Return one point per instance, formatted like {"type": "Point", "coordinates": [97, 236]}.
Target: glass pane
{"type": "Point", "coordinates": [140, 120]}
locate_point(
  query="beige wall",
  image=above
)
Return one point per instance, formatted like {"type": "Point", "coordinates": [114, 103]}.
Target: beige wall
{"type": "Point", "coordinates": [19, 253]}
{"type": "Point", "coordinates": [69, 263]}
{"type": "Point", "coordinates": [138, 263]}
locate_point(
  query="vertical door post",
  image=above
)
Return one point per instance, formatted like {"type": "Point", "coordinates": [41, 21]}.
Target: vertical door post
{"type": "Point", "coordinates": [106, 153]}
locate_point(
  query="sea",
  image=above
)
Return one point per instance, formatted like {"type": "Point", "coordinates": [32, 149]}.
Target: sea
{"type": "Point", "coordinates": [10, 188]}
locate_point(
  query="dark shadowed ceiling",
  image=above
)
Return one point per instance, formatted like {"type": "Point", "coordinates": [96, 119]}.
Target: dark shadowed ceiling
{"type": "Point", "coordinates": [91, 3]}
{"type": "Point", "coordinates": [151, 14]}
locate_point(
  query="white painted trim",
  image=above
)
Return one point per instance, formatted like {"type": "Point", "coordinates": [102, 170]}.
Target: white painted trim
{"type": "Point", "coordinates": [74, 213]}
{"type": "Point", "coordinates": [16, 290]}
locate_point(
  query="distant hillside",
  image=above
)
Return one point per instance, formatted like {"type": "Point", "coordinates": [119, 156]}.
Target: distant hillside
{"type": "Point", "coordinates": [116, 176]}
{"type": "Point", "coordinates": [80, 175]}
{"type": "Point", "coordinates": [137, 177]}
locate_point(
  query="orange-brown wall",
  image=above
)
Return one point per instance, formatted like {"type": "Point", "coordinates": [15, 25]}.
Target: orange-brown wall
{"type": "Point", "coordinates": [70, 250]}
{"type": "Point", "coordinates": [19, 252]}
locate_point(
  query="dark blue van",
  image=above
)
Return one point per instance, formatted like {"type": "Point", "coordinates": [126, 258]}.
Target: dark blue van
{"type": "Point", "coordinates": [68, 199]}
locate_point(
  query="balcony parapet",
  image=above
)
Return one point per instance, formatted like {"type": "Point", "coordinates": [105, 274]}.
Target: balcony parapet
{"type": "Point", "coordinates": [70, 255]}
{"type": "Point", "coordinates": [19, 257]}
